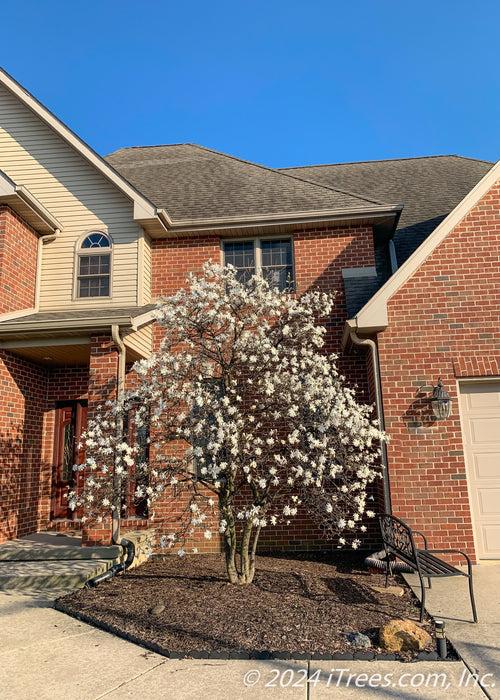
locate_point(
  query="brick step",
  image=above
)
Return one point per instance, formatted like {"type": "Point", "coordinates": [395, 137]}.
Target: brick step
{"type": "Point", "coordinates": [24, 575]}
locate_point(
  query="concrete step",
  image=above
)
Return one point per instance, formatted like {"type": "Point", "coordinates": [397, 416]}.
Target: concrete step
{"type": "Point", "coordinates": [10, 552]}
{"type": "Point", "coordinates": [45, 546]}
{"type": "Point", "coordinates": [23, 575]}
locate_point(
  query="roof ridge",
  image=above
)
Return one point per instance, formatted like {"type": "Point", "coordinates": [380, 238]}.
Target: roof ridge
{"type": "Point", "coordinates": [158, 145]}
{"type": "Point", "coordinates": [336, 189]}
{"type": "Point", "coordinates": [294, 177]}
{"type": "Point", "coordinates": [387, 160]}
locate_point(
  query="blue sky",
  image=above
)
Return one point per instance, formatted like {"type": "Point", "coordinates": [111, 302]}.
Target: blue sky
{"type": "Point", "coordinates": [280, 82]}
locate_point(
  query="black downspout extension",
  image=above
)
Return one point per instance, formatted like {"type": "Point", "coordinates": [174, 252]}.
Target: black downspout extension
{"type": "Point", "coordinates": [117, 568]}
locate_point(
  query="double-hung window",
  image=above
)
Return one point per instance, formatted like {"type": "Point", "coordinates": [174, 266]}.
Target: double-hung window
{"type": "Point", "coordinates": [270, 257]}
{"type": "Point", "coordinates": [93, 266]}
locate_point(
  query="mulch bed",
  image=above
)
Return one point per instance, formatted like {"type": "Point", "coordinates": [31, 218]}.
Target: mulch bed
{"type": "Point", "coordinates": [300, 605]}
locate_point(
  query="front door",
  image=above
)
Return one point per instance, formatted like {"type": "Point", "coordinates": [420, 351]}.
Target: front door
{"type": "Point", "coordinates": [70, 422]}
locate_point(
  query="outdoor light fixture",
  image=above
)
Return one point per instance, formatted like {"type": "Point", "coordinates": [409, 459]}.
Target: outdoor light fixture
{"type": "Point", "coordinates": [440, 401]}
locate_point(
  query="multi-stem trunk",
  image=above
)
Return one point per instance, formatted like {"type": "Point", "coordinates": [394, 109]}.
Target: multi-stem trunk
{"type": "Point", "coordinates": [247, 550]}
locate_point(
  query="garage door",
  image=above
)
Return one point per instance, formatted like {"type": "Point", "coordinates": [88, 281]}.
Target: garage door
{"type": "Point", "coordinates": [480, 409]}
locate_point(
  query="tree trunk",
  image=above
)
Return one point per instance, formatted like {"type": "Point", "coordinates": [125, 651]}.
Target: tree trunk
{"type": "Point", "coordinates": [245, 576]}
{"type": "Point", "coordinates": [230, 551]}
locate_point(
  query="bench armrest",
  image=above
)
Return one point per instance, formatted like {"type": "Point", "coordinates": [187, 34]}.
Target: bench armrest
{"type": "Point", "coordinates": [416, 532]}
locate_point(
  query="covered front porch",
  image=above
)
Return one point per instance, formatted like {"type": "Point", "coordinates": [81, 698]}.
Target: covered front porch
{"type": "Point", "coordinates": [55, 372]}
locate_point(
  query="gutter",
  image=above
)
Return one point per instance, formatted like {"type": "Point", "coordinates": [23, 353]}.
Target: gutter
{"type": "Point", "coordinates": [368, 342]}
{"type": "Point", "coordinates": [295, 218]}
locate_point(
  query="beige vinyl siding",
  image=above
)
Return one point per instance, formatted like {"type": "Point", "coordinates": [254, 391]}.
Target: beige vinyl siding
{"type": "Point", "coordinates": [141, 341]}
{"type": "Point", "coordinates": [33, 155]}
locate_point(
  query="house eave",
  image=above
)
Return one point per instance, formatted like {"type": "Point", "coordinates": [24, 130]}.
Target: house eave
{"type": "Point", "coordinates": [64, 326]}
{"type": "Point", "coordinates": [273, 222]}
{"type": "Point", "coordinates": [27, 206]}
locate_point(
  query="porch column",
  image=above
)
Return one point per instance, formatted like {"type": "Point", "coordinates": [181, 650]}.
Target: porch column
{"type": "Point", "coordinates": [103, 372]}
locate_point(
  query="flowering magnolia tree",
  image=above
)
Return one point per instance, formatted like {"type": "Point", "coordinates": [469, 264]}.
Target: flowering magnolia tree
{"type": "Point", "coordinates": [248, 421]}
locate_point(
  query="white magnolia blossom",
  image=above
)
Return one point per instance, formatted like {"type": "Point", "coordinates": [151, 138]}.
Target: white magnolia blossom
{"type": "Point", "coordinates": [247, 418]}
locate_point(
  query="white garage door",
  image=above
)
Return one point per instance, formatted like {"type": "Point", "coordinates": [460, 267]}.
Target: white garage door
{"type": "Point", "coordinates": [480, 409]}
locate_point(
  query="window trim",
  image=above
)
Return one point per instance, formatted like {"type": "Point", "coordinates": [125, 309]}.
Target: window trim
{"type": "Point", "coordinates": [257, 246]}
{"type": "Point", "coordinates": [79, 252]}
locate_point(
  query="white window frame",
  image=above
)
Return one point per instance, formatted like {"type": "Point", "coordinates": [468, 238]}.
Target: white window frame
{"type": "Point", "coordinates": [257, 247]}
{"type": "Point", "coordinates": [81, 252]}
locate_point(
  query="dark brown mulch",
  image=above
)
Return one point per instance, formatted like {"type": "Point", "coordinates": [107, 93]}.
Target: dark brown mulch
{"type": "Point", "coordinates": [300, 604]}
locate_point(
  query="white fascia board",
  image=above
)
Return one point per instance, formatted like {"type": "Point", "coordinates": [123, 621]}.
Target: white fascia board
{"type": "Point", "coordinates": [7, 186]}
{"type": "Point", "coordinates": [143, 319]}
{"type": "Point", "coordinates": [76, 143]}
{"type": "Point", "coordinates": [11, 194]}
{"type": "Point", "coordinates": [38, 208]}
{"type": "Point", "coordinates": [374, 314]}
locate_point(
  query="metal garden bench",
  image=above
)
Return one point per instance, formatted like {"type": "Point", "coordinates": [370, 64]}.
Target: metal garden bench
{"type": "Point", "coordinates": [398, 541]}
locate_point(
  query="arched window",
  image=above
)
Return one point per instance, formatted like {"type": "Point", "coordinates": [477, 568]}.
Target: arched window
{"type": "Point", "coordinates": [93, 263]}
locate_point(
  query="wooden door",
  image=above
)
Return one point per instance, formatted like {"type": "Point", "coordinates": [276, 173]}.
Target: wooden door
{"type": "Point", "coordinates": [70, 422]}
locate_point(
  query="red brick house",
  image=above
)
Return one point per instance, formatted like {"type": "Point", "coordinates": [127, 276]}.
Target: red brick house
{"type": "Point", "coordinates": [87, 244]}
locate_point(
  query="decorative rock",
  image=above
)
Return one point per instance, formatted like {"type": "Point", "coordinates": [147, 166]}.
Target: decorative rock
{"type": "Point", "coordinates": [403, 635]}
{"type": "Point", "coordinates": [393, 590]}
{"type": "Point", "coordinates": [157, 609]}
{"type": "Point", "coordinates": [360, 641]}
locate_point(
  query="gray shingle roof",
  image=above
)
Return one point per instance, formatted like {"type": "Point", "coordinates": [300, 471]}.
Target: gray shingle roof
{"type": "Point", "coordinates": [429, 187]}
{"type": "Point", "coordinates": [53, 319]}
{"type": "Point", "coordinates": [195, 183]}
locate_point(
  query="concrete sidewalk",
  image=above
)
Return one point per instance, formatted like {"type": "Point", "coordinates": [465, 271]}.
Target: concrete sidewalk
{"type": "Point", "coordinates": [478, 644]}
{"type": "Point", "coordinates": [45, 654]}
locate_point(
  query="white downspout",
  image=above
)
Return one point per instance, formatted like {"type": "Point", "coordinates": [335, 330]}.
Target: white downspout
{"type": "Point", "coordinates": [380, 412]}
{"type": "Point", "coordinates": [41, 242]}
{"type": "Point", "coordinates": [115, 334]}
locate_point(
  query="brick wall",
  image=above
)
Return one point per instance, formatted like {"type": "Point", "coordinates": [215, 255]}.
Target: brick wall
{"type": "Point", "coordinates": [103, 370]}
{"type": "Point", "coordinates": [18, 257]}
{"type": "Point", "coordinates": [320, 256]}
{"type": "Point", "coordinates": [445, 321]}
{"type": "Point", "coordinates": [25, 476]}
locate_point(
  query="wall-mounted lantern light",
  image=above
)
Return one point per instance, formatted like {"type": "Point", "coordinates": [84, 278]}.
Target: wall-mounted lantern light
{"type": "Point", "coordinates": [440, 401]}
